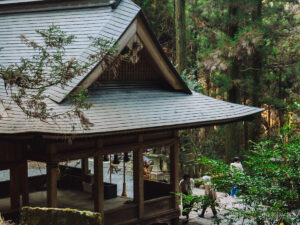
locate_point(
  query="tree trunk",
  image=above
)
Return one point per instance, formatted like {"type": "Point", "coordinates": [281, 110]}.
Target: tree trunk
{"type": "Point", "coordinates": [255, 128]}
{"type": "Point", "coordinates": [180, 30]}
{"type": "Point", "coordinates": [232, 134]}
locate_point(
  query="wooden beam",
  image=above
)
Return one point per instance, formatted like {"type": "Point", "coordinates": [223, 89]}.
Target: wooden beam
{"type": "Point", "coordinates": [138, 167]}
{"type": "Point", "coordinates": [8, 165]}
{"type": "Point", "coordinates": [174, 160]}
{"type": "Point", "coordinates": [90, 152]}
{"type": "Point", "coordinates": [52, 185]}
{"type": "Point", "coordinates": [14, 188]}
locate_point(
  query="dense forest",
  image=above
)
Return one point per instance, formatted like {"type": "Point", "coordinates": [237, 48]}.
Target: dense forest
{"type": "Point", "coordinates": [242, 51]}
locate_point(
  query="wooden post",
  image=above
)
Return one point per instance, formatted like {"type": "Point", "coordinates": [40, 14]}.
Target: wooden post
{"type": "Point", "coordinates": [98, 181]}
{"type": "Point", "coordinates": [124, 194]}
{"type": "Point", "coordinates": [52, 185]}
{"type": "Point", "coordinates": [24, 183]}
{"type": "Point", "coordinates": [14, 188]}
{"type": "Point", "coordinates": [138, 167]}
{"type": "Point", "coordinates": [174, 160]}
{"type": "Point", "coordinates": [174, 179]}
{"type": "Point", "coordinates": [98, 184]}
{"type": "Point", "coordinates": [85, 166]}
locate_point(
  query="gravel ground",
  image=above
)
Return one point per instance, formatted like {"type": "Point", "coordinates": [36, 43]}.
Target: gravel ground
{"type": "Point", "coordinates": [225, 202]}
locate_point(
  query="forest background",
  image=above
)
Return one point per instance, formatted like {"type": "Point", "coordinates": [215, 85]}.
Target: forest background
{"type": "Point", "coordinates": [242, 51]}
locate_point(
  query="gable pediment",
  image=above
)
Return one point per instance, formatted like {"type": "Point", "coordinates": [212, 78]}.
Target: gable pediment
{"type": "Point", "coordinates": [145, 63]}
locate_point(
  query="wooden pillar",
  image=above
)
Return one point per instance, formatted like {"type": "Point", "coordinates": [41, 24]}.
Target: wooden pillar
{"type": "Point", "coordinates": [174, 160]}
{"type": "Point", "coordinates": [85, 166]}
{"type": "Point", "coordinates": [98, 184]}
{"type": "Point", "coordinates": [24, 183]}
{"type": "Point", "coordinates": [14, 188]}
{"type": "Point", "coordinates": [174, 179]}
{"type": "Point", "coordinates": [52, 185]}
{"type": "Point", "coordinates": [138, 167]}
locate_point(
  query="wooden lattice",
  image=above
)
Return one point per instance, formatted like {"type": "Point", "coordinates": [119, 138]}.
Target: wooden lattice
{"type": "Point", "coordinates": [144, 70]}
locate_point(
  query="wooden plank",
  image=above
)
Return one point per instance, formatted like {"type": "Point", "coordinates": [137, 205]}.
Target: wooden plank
{"type": "Point", "coordinates": [14, 188]}
{"type": "Point", "coordinates": [138, 167]}
{"type": "Point", "coordinates": [174, 160]}
{"type": "Point", "coordinates": [52, 185]}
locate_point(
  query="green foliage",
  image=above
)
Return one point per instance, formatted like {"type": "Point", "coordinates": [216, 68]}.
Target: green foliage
{"type": "Point", "coordinates": [189, 79]}
{"type": "Point", "coordinates": [195, 202]}
{"type": "Point", "coordinates": [269, 186]}
{"type": "Point", "coordinates": [198, 182]}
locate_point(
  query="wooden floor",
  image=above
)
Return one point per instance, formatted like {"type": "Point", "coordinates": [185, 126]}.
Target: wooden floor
{"type": "Point", "coordinates": [69, 199]}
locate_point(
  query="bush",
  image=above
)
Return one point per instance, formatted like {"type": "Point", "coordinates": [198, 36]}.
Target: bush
{"type": "Point", "coordinates": [270, 185]}
{"type": "Point", "coordinates": [198, 182]}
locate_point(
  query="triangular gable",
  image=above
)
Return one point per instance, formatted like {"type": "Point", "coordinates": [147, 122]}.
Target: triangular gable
{"type": "Point", "coordinates": [140, 28]}
{"type": "Point", "coordinates": [120, 26]}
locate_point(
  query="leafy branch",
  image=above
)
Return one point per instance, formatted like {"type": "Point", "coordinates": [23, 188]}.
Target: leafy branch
{"type": "Point", "coordinates": [27, 81]}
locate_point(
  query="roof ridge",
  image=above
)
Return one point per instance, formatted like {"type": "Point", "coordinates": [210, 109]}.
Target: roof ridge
{"type": "Point", "coordinates": [21, 6]}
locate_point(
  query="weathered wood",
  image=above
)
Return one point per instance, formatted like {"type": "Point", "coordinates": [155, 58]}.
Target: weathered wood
{"type": "Point", "coordinates": [175, 221]}
{"type": "Point", "coordinates": [96, 73]}
{"type": "Point", "coordinates": [85, 165]}
{"type": "Point", "coordinates": [158, 59]}
{"type": "Point", "coordinates": [98, 183]}
{"type": "Point", "coordinates": [117, 216]}
{"type": "Point", "coordinates": [24, 183]}
{"type": "Point", "coordinates": [52, 184]}
{"type": "Point", "coordinates": [163, 216]}
{"type": "Point", "coordinates": [8, 165]}
{"type": "Point", "coordinates": [14, 188]}
{"type": "Point", "coordinates": [158, 205]}
{"type": "Point", "coordinates": [174, 160]}
{"type": "Point", "coordinates": [138, 167]}
{"type": "Point", "coordinates": [91, 152]}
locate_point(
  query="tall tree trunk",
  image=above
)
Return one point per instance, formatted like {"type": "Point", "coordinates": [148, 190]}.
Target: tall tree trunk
{"type": "Point", "coordinates": [255, 128]}
{"type": "Point", "coordinates": [233, 136]}
{"type": "Point", "coordinates": [180, 30]}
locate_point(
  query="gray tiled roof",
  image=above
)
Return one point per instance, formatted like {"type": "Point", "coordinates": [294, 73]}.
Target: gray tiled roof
{"type": "Point", "coordinates": [99, 21]}
{"type": "Point", "coordinates": [131, 107]}
{"type": "Point", "coordinates": [117, 108]}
